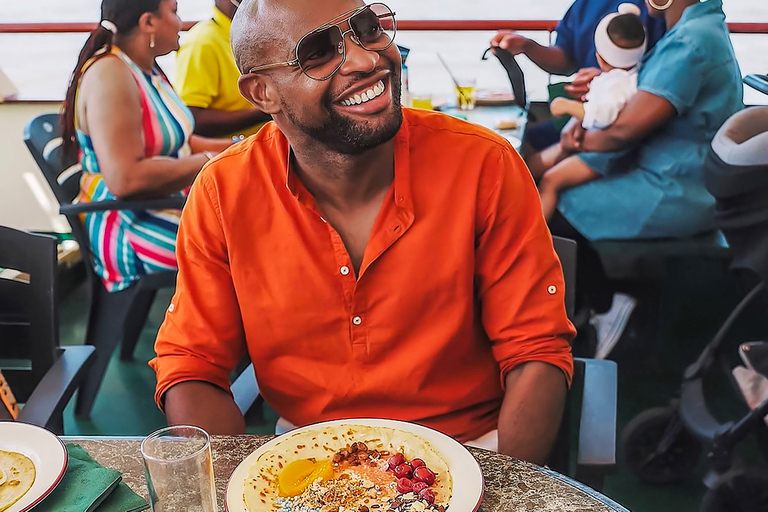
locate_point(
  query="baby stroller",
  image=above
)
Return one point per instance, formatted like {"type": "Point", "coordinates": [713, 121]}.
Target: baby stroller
{"type": "Point", "coordinates": [663, 444]}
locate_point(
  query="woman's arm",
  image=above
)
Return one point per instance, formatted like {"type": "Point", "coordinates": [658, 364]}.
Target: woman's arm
{"type": "Point", "coordinates": [201, 144]}
{"type": "Point", "coordinates": [642, 114]}
{"type": "Point", "coordinates": [109, 106]}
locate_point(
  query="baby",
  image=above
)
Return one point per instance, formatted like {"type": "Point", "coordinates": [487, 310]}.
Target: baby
{"type": "Point", "coordinates": [620, 42]}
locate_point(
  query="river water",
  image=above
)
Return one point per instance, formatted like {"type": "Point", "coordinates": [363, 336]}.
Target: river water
{"type": "Point", "coordinates": [40, 64]}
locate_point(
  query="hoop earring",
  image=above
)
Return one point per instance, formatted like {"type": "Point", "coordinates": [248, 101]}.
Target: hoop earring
{"type": "Point", "coordinates": [152, 38]}
{"type": "Point", "coordinates": [661, 7]}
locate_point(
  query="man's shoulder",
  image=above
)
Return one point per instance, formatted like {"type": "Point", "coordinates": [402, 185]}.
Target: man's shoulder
{"type": "Point", "coordinates": [430, 126]}
{"type": "Point", "coordinates": [250, 163]}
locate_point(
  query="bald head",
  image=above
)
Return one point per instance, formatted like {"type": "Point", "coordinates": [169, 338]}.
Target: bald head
{"type": "Point", "coordinates": [253, 35]}
{"type": "Point", "coordinates": [265, 31]}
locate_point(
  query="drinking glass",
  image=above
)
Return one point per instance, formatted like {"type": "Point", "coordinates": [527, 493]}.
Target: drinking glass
{"type": "Point", "coordinates": [466, 93]}
{"type": "Point", "coordinates": [179, 470]}
{"type": "Point", "coordinates": [419, 100]}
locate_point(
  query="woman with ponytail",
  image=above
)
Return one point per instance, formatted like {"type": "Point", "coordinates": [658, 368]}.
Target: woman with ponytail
{"type": "Point", "coordinates": [134, 137]}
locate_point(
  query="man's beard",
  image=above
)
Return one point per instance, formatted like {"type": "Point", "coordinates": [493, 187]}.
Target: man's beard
{"type": "Point", "coordinates": [347, 136]}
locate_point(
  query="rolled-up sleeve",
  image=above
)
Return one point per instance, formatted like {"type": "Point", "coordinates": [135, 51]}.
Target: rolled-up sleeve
{"type": "Point", "coordinates": [202, 335]}
{"type": "Point", "coordinates": [519, 278]}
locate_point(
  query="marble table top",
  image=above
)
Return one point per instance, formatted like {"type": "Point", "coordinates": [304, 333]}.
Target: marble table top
{"type": "Point", "coordinates": [511, 485]}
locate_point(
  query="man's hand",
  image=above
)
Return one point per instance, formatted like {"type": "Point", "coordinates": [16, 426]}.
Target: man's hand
{"type": "Point", "coordinates": [580, 85]}
{"type": "Point", "coordinates": [511, 41]}
{"type": "Point", "coordinates": [572, 136]}
{"type": "Point", "coordinates": [532, 411]}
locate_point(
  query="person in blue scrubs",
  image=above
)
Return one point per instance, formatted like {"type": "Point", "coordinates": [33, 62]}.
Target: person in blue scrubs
{"type": "Point", "coordinates": [574, 50]}
{"type": "Point", "coordinates": [646, 168]}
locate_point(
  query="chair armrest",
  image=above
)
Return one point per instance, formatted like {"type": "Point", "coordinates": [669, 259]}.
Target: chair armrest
{"type": "Point", "coordinates": [175, 202]}
{"type": "Point", "coordinates": [47, 402]}
{"type": "Point", "coordinates": [245, 389]}
{"type": "Point", "coordinates": [597, 430]}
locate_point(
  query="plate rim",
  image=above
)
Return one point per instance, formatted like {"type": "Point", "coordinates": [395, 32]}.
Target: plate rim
{"type": "Point", "coordinates": [360, 421]}
{"type": "Point", "coordinates": [64, 463]}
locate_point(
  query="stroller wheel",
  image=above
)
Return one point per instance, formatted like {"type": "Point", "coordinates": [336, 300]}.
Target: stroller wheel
{"type": "Point", "coordinates": [739, 490]}
{"type": "Point", "coordinates": [657, 448]}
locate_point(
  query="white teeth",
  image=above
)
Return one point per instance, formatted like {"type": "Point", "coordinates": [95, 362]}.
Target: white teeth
{"type": "Point", "coordinates": [364, 96]}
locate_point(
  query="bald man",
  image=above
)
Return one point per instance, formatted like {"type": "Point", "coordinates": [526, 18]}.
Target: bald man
{"type": "Point", "coordinates": [372, 261]}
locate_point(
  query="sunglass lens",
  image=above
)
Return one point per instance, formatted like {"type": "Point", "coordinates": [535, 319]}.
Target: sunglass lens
{"type": "Point", "coordinates": [320, 53]}
{"type": "Point", "coordinates": [374, 26]}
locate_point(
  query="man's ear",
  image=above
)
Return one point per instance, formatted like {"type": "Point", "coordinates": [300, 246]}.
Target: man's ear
{"type": "Point", "coordinates": [260, 90]}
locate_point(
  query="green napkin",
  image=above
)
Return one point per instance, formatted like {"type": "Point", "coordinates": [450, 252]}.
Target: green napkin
{"type": "Point", "coordinates": [88, 486]}
{"type": "Point", "coordinates": [557, 90]}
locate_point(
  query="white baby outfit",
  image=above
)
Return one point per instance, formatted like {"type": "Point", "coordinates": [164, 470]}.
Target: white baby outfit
{"type": "Point", "coordinates": [608, 93]}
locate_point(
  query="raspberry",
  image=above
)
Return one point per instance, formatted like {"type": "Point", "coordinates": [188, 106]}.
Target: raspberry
{"type": "Point", "coordinates": [404, 485]}
{"type": "Point", "coordinates": [404, 471]}
{"type": "Point", "coordinates": [424, 474]}
{"type": "Point", "coordinates": [396, 460]}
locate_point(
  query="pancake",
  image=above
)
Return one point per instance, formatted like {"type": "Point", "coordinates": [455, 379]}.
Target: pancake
{"type": "Point", "coordinates": [263, 486]}
{"type": "Point", "coordinates": [17, 474]}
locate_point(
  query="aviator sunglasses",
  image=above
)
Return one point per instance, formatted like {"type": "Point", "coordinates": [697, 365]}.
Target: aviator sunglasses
{"type": "Point", "coordinates": [321, 52]}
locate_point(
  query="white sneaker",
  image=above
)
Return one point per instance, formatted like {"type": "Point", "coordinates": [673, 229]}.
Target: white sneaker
{"type": "Point", "coordinates": [610, 325]}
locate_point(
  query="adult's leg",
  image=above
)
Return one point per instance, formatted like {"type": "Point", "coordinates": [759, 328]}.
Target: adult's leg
{"type": "Point", "coordinates": [593, 288]}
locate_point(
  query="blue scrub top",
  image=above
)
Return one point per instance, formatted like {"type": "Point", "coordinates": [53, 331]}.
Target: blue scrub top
{"type": "Point", "coordinates": [576, 31]}
{"type": "Point", "coordinates": [656, 190]}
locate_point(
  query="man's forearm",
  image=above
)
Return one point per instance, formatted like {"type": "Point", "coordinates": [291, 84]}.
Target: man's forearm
{"type": "Point", "coordinates": [204, 405]}
{"type": "Point", "coordinates": [211, 122]}
{"type": "Point", "coordinates": [549, 58]}
{"type": "Point", "coordinates": [532, 410]}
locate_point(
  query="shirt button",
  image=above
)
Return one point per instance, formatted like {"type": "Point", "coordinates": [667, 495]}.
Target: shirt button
{"type": "Point", "coordinates": [171, 307]}
{"type": "Point", "coordinates": [344, 270]}
{"type": "Point", "coordinates": [552, 289]}
{"type": "Point", "coordinates": [357, 320]}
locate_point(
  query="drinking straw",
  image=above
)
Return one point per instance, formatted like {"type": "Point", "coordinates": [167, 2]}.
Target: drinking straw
{"type": "Point", "coordinates": [455, 82]}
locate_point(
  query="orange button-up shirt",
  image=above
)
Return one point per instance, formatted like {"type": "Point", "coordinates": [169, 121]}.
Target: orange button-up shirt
{"type": "Point", "coordinates": [459, 284]}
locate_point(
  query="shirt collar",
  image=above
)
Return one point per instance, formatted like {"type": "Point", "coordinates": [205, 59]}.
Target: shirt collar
{"type": "Point", "coordinates": [221, 19]}
{"type": "Point", "coordinates": [700, 10]}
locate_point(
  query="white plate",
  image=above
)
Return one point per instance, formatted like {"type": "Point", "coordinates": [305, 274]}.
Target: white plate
{"type": "Point", "coordinates": [46, 451]}
{"type": "Point", "coordinates": [468, 484]}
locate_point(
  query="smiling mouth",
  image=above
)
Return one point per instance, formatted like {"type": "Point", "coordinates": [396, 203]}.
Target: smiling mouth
{"type": "Point", "coordinates": [373, 92]}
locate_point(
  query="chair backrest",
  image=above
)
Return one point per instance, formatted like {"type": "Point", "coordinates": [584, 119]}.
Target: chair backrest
{"type": "Point", "coordinates": [566, 251]}
{"type": "Point", "coordinates": [62, 172]}
{"type": "Point", "coordinates": [28, 308]}
{"type": "Point", "coordinates": [42, 135]}
{"type": "Point", "coordinates": [514, 73]}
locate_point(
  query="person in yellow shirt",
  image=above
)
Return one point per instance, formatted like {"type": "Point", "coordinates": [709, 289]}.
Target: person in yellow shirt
{"type": "Point", "coordinates": [206, 79]}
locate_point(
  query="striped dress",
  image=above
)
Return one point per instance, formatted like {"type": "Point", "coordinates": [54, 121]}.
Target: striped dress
{"type": "Point", "coordinates": [129, 244]}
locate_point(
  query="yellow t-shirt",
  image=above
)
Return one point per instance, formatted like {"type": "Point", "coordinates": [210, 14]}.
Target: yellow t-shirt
{"type": "Point", "coordinates": [206, 74]}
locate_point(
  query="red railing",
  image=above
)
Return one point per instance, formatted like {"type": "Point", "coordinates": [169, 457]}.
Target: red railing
{"type": "Point", "coordinates": [531, 25]}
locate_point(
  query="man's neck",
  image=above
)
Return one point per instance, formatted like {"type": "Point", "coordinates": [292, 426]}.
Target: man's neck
{"type": "Point", "coordinates": [345, 181]}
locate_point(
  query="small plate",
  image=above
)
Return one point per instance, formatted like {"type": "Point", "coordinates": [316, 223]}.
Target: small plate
{"type": "Point", "coordinates": [47, 453]}
{"type": "Point", "coordinates": [486, 98]}
{"type": "Point", "coordinates": [468, 484]}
